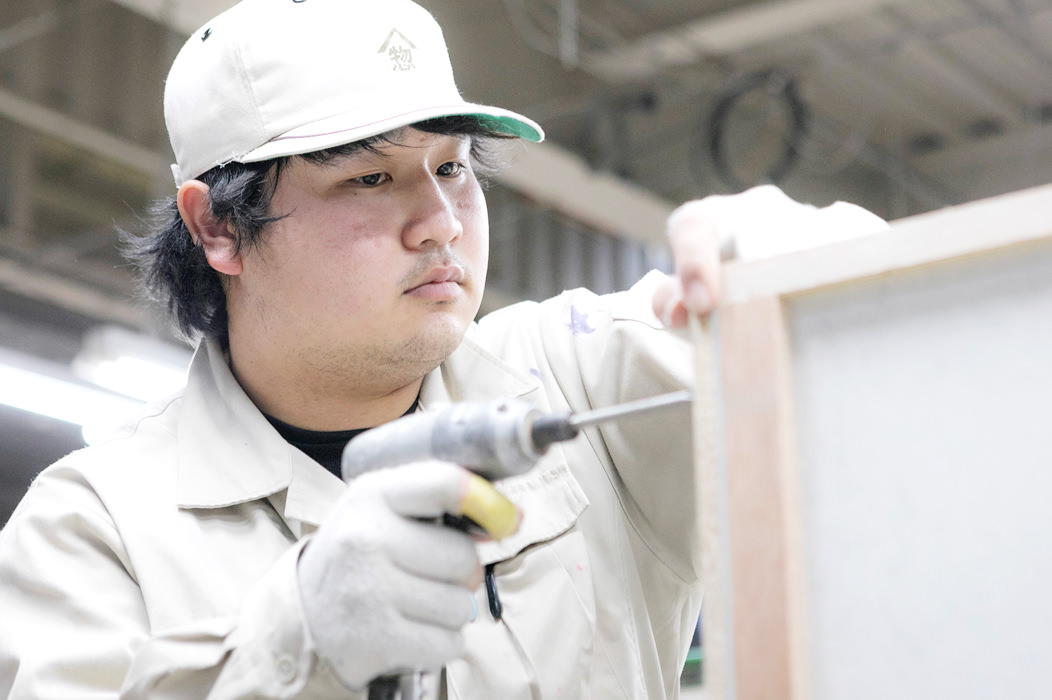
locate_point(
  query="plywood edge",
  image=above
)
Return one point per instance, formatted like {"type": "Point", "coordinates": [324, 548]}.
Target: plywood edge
{"type": "Point", "coordinates": [769, 621]}
{"type": "Point", "coordinates": [967, 229]}
{"type": "Point", "coordinates": [711, 525]}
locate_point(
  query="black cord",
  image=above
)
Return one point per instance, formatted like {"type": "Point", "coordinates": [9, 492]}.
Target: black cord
{"type": "Point", "coordinates": [384, 688]}
{"type": "Point", "coordinates": [495, 607]}
{"type": "Point", "coordinates": [778, 84]}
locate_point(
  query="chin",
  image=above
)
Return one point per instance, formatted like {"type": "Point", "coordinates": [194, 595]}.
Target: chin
{"type": "Point", "coordinates": [439, 340]}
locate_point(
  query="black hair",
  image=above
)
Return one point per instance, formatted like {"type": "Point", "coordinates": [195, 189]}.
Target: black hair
{"type": "Point", "coordinates": [173, 270]}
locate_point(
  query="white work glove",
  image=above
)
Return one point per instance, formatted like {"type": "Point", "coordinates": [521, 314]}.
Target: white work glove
{"type": "Point", "coordinates": [383, 591]}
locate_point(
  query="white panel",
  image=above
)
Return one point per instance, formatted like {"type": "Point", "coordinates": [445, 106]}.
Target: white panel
{"type": "Point", "coordinates": [924, 404]}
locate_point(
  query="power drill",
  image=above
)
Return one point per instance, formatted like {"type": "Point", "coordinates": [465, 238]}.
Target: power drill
{"type": "Point", "coordinates": [495, 439]}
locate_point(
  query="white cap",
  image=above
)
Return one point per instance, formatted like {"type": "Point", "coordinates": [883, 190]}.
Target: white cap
{"type": "Point", "coordinates": [271, 78]}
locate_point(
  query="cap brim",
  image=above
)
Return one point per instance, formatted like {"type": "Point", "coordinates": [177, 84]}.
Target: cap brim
{"type": "Point", "coordinates": [334, 131]}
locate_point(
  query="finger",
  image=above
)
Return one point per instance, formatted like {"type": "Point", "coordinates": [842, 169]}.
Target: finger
{"type": "Point", "coordinates": [419, 490]}
{"type": "Point", "coordinates": [430, 489]}
{"type": "Point", "coordinates": [668, 305]}
{"type": "Point", "coordinates": [434, 603]}
{"type": "Point", "coordinates": [422, 646]}
{"type": "Point", "coordinates": [435, 552]}
{"type": "Point", "coordinates": [694, 240]}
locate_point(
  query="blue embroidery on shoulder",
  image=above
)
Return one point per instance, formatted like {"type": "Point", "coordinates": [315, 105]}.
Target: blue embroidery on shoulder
{"type": "Point", "coordinates": [579, 321]}
{"type": "Point", "coordinates": [536, 372]}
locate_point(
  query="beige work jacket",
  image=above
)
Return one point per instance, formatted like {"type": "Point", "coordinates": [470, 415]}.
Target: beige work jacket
{"type": "Point", "coordinates": [161, 562]}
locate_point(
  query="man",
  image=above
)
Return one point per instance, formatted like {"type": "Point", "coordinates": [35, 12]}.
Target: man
{"type": "Point", "coordinates": [328, 243]}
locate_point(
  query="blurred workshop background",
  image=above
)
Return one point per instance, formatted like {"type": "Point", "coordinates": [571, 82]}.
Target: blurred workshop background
{"type": "Point", "coordinates": [903, 106]}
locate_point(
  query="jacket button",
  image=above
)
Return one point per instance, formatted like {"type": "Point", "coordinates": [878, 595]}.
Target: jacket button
{"type": "Point", "coordinates": [287, 670]}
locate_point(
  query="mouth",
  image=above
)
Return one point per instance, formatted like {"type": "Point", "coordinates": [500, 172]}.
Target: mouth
{"type": "Point", "coordinates": [438, 283]}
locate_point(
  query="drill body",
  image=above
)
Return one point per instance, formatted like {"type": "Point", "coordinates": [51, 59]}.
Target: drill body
{"type": "Point", "coordinates": [491, 438]}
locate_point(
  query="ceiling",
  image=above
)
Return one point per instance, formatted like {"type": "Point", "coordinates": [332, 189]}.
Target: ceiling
{"type": "Point", "coordinates": [900, 105]}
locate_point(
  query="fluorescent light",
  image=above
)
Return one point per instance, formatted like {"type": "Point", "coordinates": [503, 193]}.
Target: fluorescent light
{"type": "Point", "coordinates": [131, 363]}
{"type": "Point", "coordinates": [137, 377]}
{"type": "Point", "coordinates": [29, 384]}
{"type": "Point", "coordinates": [56, 398]}
{"type": "Point", "coordinates": [116, 372]}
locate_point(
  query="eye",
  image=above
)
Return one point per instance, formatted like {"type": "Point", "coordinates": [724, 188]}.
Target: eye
{"type": "Point", "coordinates": [370, 180]}
{"type": "Point", "coordinates": [450, 169]}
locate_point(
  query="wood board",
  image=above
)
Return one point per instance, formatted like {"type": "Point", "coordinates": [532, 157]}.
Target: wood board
{"type": "Point", "coordinates": [884, 415]}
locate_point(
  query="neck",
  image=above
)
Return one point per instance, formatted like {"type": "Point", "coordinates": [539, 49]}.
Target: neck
{"type": "Point", "coordinates": [321, 400]}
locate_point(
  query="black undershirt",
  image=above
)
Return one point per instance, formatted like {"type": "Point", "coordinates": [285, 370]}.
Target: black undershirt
{"type": "Point", "coordinates": [323, 446]}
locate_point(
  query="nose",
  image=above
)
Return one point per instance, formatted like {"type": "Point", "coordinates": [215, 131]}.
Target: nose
{"type": "Point", "coordinates": [433, 219]}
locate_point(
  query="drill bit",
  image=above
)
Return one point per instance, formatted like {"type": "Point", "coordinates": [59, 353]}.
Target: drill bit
{"type": "Point", "coordinates": [565, 426]}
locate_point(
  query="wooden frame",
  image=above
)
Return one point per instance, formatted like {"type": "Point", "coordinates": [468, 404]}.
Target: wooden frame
{"type": "Point", "coordinates": [757, 618]}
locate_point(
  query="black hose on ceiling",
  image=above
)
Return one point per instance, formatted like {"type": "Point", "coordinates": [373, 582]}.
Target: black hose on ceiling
{"type": "Point", "coordinates": [779, 86]}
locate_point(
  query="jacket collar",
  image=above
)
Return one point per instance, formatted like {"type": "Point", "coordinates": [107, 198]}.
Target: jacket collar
{"type": "Point", "coordinates": [472, 373]}
{"type": "Point", "coordinates": [228, 453]}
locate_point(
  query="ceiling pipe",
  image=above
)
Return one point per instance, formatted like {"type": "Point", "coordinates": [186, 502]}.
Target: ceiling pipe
{"type": "Point", "coordinates": [721, 35]}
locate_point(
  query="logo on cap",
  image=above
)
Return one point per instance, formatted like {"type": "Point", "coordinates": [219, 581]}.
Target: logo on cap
{"type": "Point", "coordinates": [399, 49]}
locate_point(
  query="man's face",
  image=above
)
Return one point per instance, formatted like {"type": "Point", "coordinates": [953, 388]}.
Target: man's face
{"type": "Point", "coordinates": [377, 267]}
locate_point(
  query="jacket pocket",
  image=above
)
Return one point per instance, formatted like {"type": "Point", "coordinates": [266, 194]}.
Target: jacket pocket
{"type": "Point", "coordinates": [550, 500]}
{"type": "Point", "coordinates": [542, 645]}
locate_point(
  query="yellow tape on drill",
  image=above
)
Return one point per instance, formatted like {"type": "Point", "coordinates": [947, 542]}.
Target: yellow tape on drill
{"type": "Point", "coordinates": [489, 508]}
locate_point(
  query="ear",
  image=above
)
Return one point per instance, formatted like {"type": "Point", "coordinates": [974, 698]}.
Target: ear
{"type": "Point", "coordinates": [217, 238]}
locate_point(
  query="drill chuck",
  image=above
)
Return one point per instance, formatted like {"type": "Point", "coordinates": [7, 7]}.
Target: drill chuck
{"type": "Point", "coordinates": [548, 430]}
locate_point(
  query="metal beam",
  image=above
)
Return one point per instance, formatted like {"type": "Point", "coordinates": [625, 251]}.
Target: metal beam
{"type": "Point", "coordinates": [563, 181]}
{"type": "Point", "coordinates": [721, 35]}
{"type": "Point", "coordinates": [183, 16]}
{"type": "Point", "coordinates": [1011, 161]}
{"type": "Point", "coordinates": [28, 29]}
{"type": "Point", "coordinates": [46, 120]}
{"type": "Point", "coordinates": [935, 65]}
{"type": "Point", "coordinates": [70, 294]}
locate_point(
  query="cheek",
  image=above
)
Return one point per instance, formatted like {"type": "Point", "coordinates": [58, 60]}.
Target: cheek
{"type": "Point", "coordinates": [351, 274]}
{"type": "Point", "coordinates": [475, 218]}
{"type": "Point", "coordinates": [323, 275]}
{"type": "Point", "coordinates": [481, 255]}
